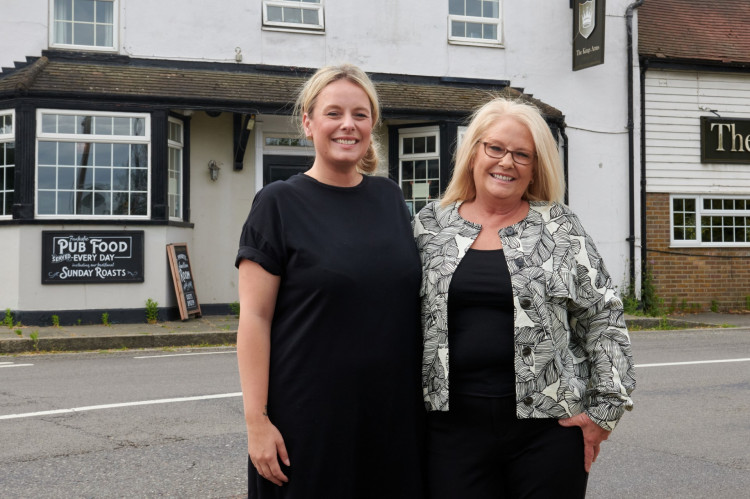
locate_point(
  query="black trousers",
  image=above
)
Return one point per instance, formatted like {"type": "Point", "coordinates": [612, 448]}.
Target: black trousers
{"type": "Point", "coordinates": [479, 449]}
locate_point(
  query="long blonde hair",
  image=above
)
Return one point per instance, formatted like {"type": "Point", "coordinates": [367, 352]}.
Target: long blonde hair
{"type": "Point", "coordinates": [548, 181]}
{"type": "Point", "coordinates": [323, 77]}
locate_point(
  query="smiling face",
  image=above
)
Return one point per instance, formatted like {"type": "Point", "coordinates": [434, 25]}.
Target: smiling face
{"type": "Point", "coordinates": [340, 125]}
{"type": "Point", "coordinates": [502, 182]}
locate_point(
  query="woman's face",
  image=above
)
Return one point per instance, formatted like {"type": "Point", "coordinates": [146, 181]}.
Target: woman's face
{"type": "Point", "coordinates": [501, 181]}
{"type": "Point", "coordinates": [340, 125]}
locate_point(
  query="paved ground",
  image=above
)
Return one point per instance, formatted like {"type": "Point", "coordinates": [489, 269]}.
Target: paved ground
{"type": "Point", "coordinates": [222, 329]}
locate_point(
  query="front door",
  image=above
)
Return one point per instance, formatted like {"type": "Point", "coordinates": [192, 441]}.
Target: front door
{"type": "Point", "coordinates": [279, 167]}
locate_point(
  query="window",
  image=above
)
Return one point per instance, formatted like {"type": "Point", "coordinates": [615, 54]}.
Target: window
{"type": "Point", "coordinates": [7, 162]}
{"type": "Point", "coordinates": [710, 220]}
{"type": "Point", "coordinates": [419, 166]}
{"type": "Point", "coordinates": [89, 24]}
{"type": "Point", "coordinates": [175, 144]}
{"type": "Point", "coordinates": [475, 22]}
{"type": "Point", "coordinates": [92, 165]}
{"type": "Point", "coordinates": [295, 14]}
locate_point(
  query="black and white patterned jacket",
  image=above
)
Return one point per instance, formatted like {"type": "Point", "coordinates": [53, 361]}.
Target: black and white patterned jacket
{"type": "Point", "coordinates": [572, 349]}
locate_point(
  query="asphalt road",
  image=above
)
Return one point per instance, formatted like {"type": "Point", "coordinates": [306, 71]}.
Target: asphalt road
{"type": "Point", "coordinates": [169, 424]}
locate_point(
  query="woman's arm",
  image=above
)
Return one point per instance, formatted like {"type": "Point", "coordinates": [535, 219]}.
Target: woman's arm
{"type": "Point", "coordinates": [257, 292]}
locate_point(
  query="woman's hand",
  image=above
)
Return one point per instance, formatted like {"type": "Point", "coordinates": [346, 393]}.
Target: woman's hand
{"type": "Point", "coordinates": [265, 447]}
{"type": "Point", "coordinates": [593, 436]}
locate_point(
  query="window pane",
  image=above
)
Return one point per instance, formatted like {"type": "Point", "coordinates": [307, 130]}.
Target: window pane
{"type": "Point", "coordinates": [63, 32]}
{"type": "Point", "coordinates": [120, 203]}
{"type": "Point", "coordinates": [103, 179]}
{"type": "Point", "coordinates": [407, 170]}
{"type": "Point", "coordinates": [420, 170]}
{"type": "Point", "coordinates": [84, 125]}
{"type": "Point", "coordinates": [138, 204]}
{"type": "Point", "coordinates": [46, 200]}
{"type": "Point", "coordinates": [66, 124]}
{"type": "Point", "coordinates": [10, 178]}
{"type": "Point", "coordinates": [63, 10]}
{"type": "Point", "coordinates": [139, 127]}
{"type": "Point", "coordinates": [433, 168]}
{"type": "Point", "coordinates": [49, 123]}
{"type": "Point", "coordinates": [310, 16]}
{"type": "Point", "coordinates": [456, 7]}
{"type": "Point", "coordinates": [274, 14]}
{"type": "Point", "coordinates": [138, 179]}
{"type": "Point", "coordinates": [83, 154]}
{"type": "Point", "coordinates": [66, 177]}
{"type": "Point", "coordinates": [104, 12]}
{"type": "Point", "coordinates": [679, 234]}
{"type": "Point", "coordinates": [292, 15]}
{"type": "Point", "coordinates": [473, 30]}
{"type": "Point", "coordinates": [84, 203]}
{"type": "Point", "coordinates": [490, 32]}
{"type": "Point", "coordinates": [65, 202]}
{"type": "Point", "coordinates": [83, 10]}
{"type": "Point", "coordinates": [10, 154]}
{"type": "Point", "coordinates": [678, 204]}
{"type": "Point", "coordinates": [434, 189]}
{"type": "Point", "coordinates": [102, 154]}
{"type": "Point", "coordinates": [84, 178]}
{"type": "Point", "coordinates": [83, 34]}
{"type": "Point", "coordinates": [121, 126]}
{"type": "Point", "coordinates": [103, 35]}
{"type": "Point", "coordinates": [102, 204]}
{"type": "Point", "coordinates": [419, 145]}
{"type": "Point", "coordinates": [120, 179]}
{"type": "Point", "coordinates": [8, 203]}
{"type": "Point", "coordinates": [138, 157]}
{"type": "Point", "coordinates": [431, 144]}
{"type": "Point", "coordinates": [120, 154]}
{"type": "Point", "coordinates": [690, 205]}
{"type": "Point", "coordinates": [47, 178]}
{"type": "Point", "coordinates": [458, 28]}
{"type": "Point", "coordinates": [66, 153]}
{"type": "Point", "coordinates": [491, 8]}
{"type": "Point", "coordinates": [103, 125]}
{"type": "Point", "coordinates": [474, 8]}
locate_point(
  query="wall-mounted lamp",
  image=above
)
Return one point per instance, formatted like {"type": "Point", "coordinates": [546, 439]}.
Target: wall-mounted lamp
{"type": "Point", "coordinates": [250, 122]}
{"type": "Point", "coordinates": [213, 170]}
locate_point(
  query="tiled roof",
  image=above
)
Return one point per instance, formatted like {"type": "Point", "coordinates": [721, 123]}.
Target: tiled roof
{"type": "Point", "coordinates": [227, 90]}
{"type": "Point", "coordinates": [711, 31]}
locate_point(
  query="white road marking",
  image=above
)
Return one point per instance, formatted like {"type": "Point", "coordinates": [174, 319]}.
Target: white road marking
{"type": "Point", "coordinates": [692, 362]}
{"type": "Point", "coordinates": [180, 354]}
{"type": "Point", "coordinates": [10, 364]}
{"type": "Point", "coordinates": [123, 404]}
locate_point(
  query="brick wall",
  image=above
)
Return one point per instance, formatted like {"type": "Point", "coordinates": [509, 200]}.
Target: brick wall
{"type": "Point", "coordinates": [693, 277]}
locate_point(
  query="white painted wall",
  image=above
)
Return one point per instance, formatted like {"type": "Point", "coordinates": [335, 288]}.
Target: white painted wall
{"type": "Point", "coordinates": [387, 36]}
{"type": "Point", "coordinates": [675, 101]}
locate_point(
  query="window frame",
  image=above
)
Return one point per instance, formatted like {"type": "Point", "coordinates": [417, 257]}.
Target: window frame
{"type": "Point", "coordinates": [73, 138]}
{"type": "Point", "coordinates": [292, 26]}
{"type": "Point", "coordinates": [173, 145]}
{"type": "Point", "coordinates": [701, 212]}
{"type": "Point", "coordinates": [464, 40]}
{"type": "Point", "coordinates": [422, 131]}
{"type": "Point", "coordinates": [6, 138]}
{"type": "Point", "coordinates": [71, 46]}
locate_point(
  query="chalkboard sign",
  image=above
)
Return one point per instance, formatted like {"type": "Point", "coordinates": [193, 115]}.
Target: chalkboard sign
{"type": "Point", "coordinates": [93, 257]}
{"type": "Point", "coordinates": [182, 277]}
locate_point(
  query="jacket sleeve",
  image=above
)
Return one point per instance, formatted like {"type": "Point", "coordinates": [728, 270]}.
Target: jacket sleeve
{"type": "Point", "coordinates": [597, 322]}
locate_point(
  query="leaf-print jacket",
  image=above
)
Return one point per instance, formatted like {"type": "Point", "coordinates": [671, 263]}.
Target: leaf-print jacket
{"type": "Point", "coordinates": [572, 349]}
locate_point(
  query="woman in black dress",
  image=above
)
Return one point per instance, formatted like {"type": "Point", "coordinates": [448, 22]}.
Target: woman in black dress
{"type": "Point", "coordinates": [328, 342]}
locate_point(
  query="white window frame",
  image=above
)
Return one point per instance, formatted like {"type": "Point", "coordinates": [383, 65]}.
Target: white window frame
{"type": "Point", "coordinates": [74, 138]}
{"type": "Point", "coordinates": [175, 192]}
{"type": "Point", "coordinates": [403, 133]}
{"type": "Point", "coordinates": [6, 138]}
{"type": "Point", "coordinates": [293, 26]}
{"type": "Point", "coordinates": [700, 212]}
{"type": "Point", "coordinates": [115, 30]}
{"type": "Point", "coordinates": [464, 40]}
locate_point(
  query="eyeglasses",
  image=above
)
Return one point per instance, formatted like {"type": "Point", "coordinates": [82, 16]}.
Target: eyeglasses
{"type": "Point", "coordinates": [497, 151]}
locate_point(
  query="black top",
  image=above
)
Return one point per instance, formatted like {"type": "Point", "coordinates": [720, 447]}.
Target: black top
{"type": "Point", "coordinates": [345, 388]}
{"type": "Point", "coordinates": [480, 326]}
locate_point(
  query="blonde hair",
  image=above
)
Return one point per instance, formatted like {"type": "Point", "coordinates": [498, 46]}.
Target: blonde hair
{"type": "Point", "coordinates": [323, 77]}
{"type": "Point", "coordinates": [548, 183]}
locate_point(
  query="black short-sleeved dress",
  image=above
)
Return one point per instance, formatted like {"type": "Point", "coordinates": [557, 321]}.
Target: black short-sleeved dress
{"type": "Point", "coordinates": [345, 388]}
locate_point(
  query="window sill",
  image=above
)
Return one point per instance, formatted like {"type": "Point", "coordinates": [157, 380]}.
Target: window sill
{"type": "Point", "coordinates": [477, 43]}
{"type": "Point", "coordinates": [290, 29]}
{"type": "Point", "coordinates": [112, 221]}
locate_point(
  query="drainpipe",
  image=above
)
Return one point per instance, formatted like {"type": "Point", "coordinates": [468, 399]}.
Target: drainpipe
{"type": "Point", "coordinates": [631, 143]}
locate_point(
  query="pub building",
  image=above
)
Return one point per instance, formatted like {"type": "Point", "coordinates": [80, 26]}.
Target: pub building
{"type": "Point", "coordinates": [695, 74]}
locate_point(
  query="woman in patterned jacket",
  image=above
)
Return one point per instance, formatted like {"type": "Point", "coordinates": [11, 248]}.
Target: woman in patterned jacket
{"type": "Point", "coordinates": [517, 301]}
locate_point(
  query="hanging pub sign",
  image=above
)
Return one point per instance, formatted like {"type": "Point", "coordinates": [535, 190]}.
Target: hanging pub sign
{"type": "Point", "coordinates": [101, 257]}
{"type": "Point", "coordinates": [588, 33]}
{"type": "Point", "coordinates": [725, 140]}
